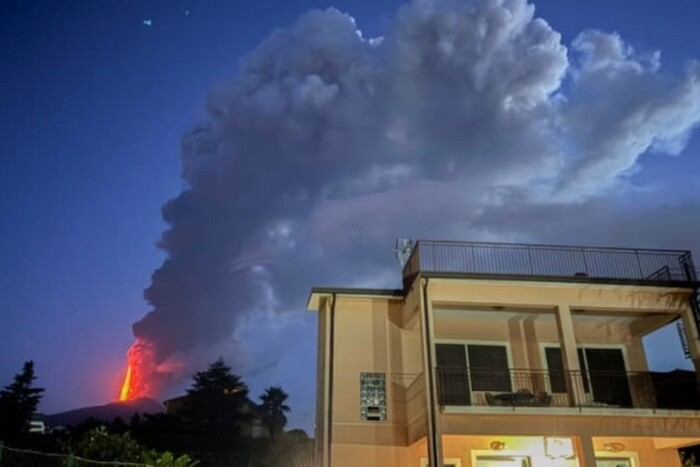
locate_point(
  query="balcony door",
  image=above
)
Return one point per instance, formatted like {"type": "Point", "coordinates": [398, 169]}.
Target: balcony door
{"type": "Point", "coordinates": [463, 368]}
{"type": "Point", "coordinates": [604, 374]}
{"type": "Point", "coordinates": [608, 375]}
{"type": "Point", "coordinates": [453, 381]}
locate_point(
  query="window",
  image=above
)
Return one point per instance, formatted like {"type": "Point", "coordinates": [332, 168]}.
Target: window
{"type": "Point", "coordinates": [488, 366]}
{"type": "Point", "coordinates": [472, 367]}
{"type": "Point", "coordinates": [452, 374]}
{"type": "Point", "coordinates": [603, 370]}
{"type": "Point", "coordinates": [373, 396]}
{"type": "Point", "coordinates": [555, 367]}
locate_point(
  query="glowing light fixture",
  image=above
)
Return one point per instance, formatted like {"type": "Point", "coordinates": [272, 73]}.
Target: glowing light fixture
{"type": "Point", "coordinates": [614, 447]}
{"type": "Point", "coordinates": [559, 448]}
{"type": "Point", "coordinates": [497, 445]}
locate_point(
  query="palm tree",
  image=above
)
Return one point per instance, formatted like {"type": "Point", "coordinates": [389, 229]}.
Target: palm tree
{"type": "Point", "coordinates": [274, 409]}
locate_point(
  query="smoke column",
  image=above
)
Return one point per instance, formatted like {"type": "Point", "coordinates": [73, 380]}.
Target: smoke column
{"type": "Point", "coordinates": [310, 157]}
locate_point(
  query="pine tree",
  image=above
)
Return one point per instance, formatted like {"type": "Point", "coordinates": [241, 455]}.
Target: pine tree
{"type": "Point", "coordinates": [217, 395]}
{"type": "Point", "coordinates": [18, 402]}
{"type": "Point", "coordinates": [274, 407]}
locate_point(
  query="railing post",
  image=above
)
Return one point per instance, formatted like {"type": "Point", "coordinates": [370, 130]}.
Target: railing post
{"type": "Point", "coordinates": [585, 263]}
{"type": "Point", "coordinates": [70, 462]}
{"type": "Point", "coordinates": [473, 265]}
{"type": "Point", "coordinates": [688, 268]}
{"type": "Point", "coordinates": [639, 264]}
{"type": "Point", "coordinates": [1, 446]}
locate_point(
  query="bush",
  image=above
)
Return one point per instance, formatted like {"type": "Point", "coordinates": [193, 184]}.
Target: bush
{"type": "Point", "coordinates": [98, 444]}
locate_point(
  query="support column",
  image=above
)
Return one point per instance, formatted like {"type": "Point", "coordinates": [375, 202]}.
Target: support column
{"type": "Point", "coordinates": [569, 355]}
{"type": "Point", "coordinates": [429, 366]}
{"type": "Point", "coordinates": [585, 451]}
{"type": "Point", "coordinates": [691, 336]}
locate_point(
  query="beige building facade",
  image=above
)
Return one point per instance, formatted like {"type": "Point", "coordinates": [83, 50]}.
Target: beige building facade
{"type": "Point", "coordinates": [496, 355]}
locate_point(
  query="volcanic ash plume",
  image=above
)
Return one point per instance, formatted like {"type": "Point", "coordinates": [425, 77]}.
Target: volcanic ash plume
{"type": "Point", "coordinates": [311, 156]}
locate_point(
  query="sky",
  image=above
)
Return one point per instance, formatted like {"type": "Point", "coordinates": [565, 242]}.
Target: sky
{"type": "Point", "coordinates": [289, 162]}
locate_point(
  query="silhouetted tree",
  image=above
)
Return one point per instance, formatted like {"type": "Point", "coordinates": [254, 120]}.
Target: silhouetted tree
{"type": "Point", "coordinates": [217, 395]}
{"type": "Point", "coordinates": [18, 402]}
{"type": "Point", "coordinates": [274, 408]}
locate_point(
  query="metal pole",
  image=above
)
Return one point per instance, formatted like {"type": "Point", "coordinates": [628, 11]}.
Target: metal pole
{"type": "Point", "coordinates": [639, 263]}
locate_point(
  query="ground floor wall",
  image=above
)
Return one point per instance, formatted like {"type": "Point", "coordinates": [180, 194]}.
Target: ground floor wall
{"type": "Point", "coordinates": [464, 451]}
{"type": "Point", "coordinates": [362, 455]}
{"type": "Point", "coordinates": [642, 450]}
{"type": "Point", "coordinates": [468, 451]}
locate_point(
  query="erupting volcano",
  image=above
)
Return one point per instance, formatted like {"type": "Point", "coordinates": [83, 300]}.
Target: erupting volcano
{"type": "Point", "coordinates": [126, 386]}
{"type": "Point", "coordinates": [142, 379]}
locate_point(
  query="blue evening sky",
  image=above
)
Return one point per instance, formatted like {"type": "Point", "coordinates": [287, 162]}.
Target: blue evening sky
{"type": "Point", "coordinates": [93, 103]}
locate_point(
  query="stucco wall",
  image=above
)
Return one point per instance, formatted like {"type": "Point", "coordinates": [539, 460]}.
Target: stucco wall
{"type": "Point", "coordinates": [466, 448]}
{"type": "Point", "coordinates": [354, 455]}
{"type": "Point", "coordinates": [370, 337]}
{"type": "Point", "coordinates": [526, 334]}
{"type": "Point", "coordinates": [643, 448]}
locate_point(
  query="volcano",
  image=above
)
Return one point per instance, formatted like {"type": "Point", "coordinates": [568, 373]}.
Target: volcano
{"type": "Point", "coordinates": [106, 413]}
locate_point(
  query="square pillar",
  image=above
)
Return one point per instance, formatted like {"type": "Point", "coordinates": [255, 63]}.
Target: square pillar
{"type": "Point", "coordinates": [569, 355]}
{"type": "Point", "coordinates": [691, 336]}
{"type": "Point", "coordinates": [585, 451]}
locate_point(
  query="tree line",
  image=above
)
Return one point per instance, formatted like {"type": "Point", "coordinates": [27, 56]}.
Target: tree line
{"type": "Point", "coordinates": [211, 427]}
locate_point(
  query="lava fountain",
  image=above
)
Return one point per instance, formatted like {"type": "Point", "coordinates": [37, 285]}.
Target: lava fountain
{"type": "Point", "coordinates": [126, 386]}
{"type": "Point", "coordinates": [146, 376]}
{"type": "Point", "coordinates": [142, 378]}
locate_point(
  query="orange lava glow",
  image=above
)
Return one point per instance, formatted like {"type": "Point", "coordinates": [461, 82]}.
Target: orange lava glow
{"type": "Point", "coordinates": [144, 376]}
{"type": "Point", "coordinates": [125, 393]}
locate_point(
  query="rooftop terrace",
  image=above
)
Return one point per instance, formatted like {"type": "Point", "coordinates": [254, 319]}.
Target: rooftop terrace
{"type": "Point", "coordinates": [550, 262]}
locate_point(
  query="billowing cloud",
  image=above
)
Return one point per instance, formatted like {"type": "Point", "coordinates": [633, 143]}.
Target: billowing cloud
{"type": "Point", "coordinates": [620, 107]}
{"type": "Point", "coordinates": [467, 119]}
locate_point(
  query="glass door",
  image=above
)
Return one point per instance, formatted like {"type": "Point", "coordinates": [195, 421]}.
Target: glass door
{"type": "Point", "coordinates": [613, 462]}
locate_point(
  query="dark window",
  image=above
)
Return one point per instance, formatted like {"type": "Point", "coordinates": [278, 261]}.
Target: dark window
{"type": "Point", "coordinates": [453, 385]}
{"type": "Point", "coordinates": [488, 366]}
{"type": "Point", "coordinates": [609, 377]}
{"type": "Point", "coordinates": [555, 368]}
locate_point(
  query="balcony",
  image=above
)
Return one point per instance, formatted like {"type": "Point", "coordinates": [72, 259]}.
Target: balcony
{"type": "Point", "coordinates": [550, 262]}
{"type": "Point", "coordinates": [676, 390]}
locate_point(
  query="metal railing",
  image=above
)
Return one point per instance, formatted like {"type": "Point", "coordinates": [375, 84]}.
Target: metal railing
{"type": "Point", "coordinates": [677, 390]}
{"type": "Point", "coordinates": [550, 261]}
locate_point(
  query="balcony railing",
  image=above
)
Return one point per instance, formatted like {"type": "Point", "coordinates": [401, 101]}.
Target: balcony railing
{"type": "Point", "coordinates": [677, 390]}
{"type": "Point", "coordinates": [550, 261]}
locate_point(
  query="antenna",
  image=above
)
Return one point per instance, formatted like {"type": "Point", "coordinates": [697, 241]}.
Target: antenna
{"type": "Point", "coordinates": [403, 249]}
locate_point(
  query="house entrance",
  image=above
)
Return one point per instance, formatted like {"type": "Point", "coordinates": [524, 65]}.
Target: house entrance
{"type": "Point", "coordinates": [613, 462]}
{"type": "Point", "coordinates": [503, 461]}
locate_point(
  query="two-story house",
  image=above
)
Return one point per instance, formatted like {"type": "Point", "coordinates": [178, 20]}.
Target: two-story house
{"type": "Point", "coordinates": [497, 355]}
